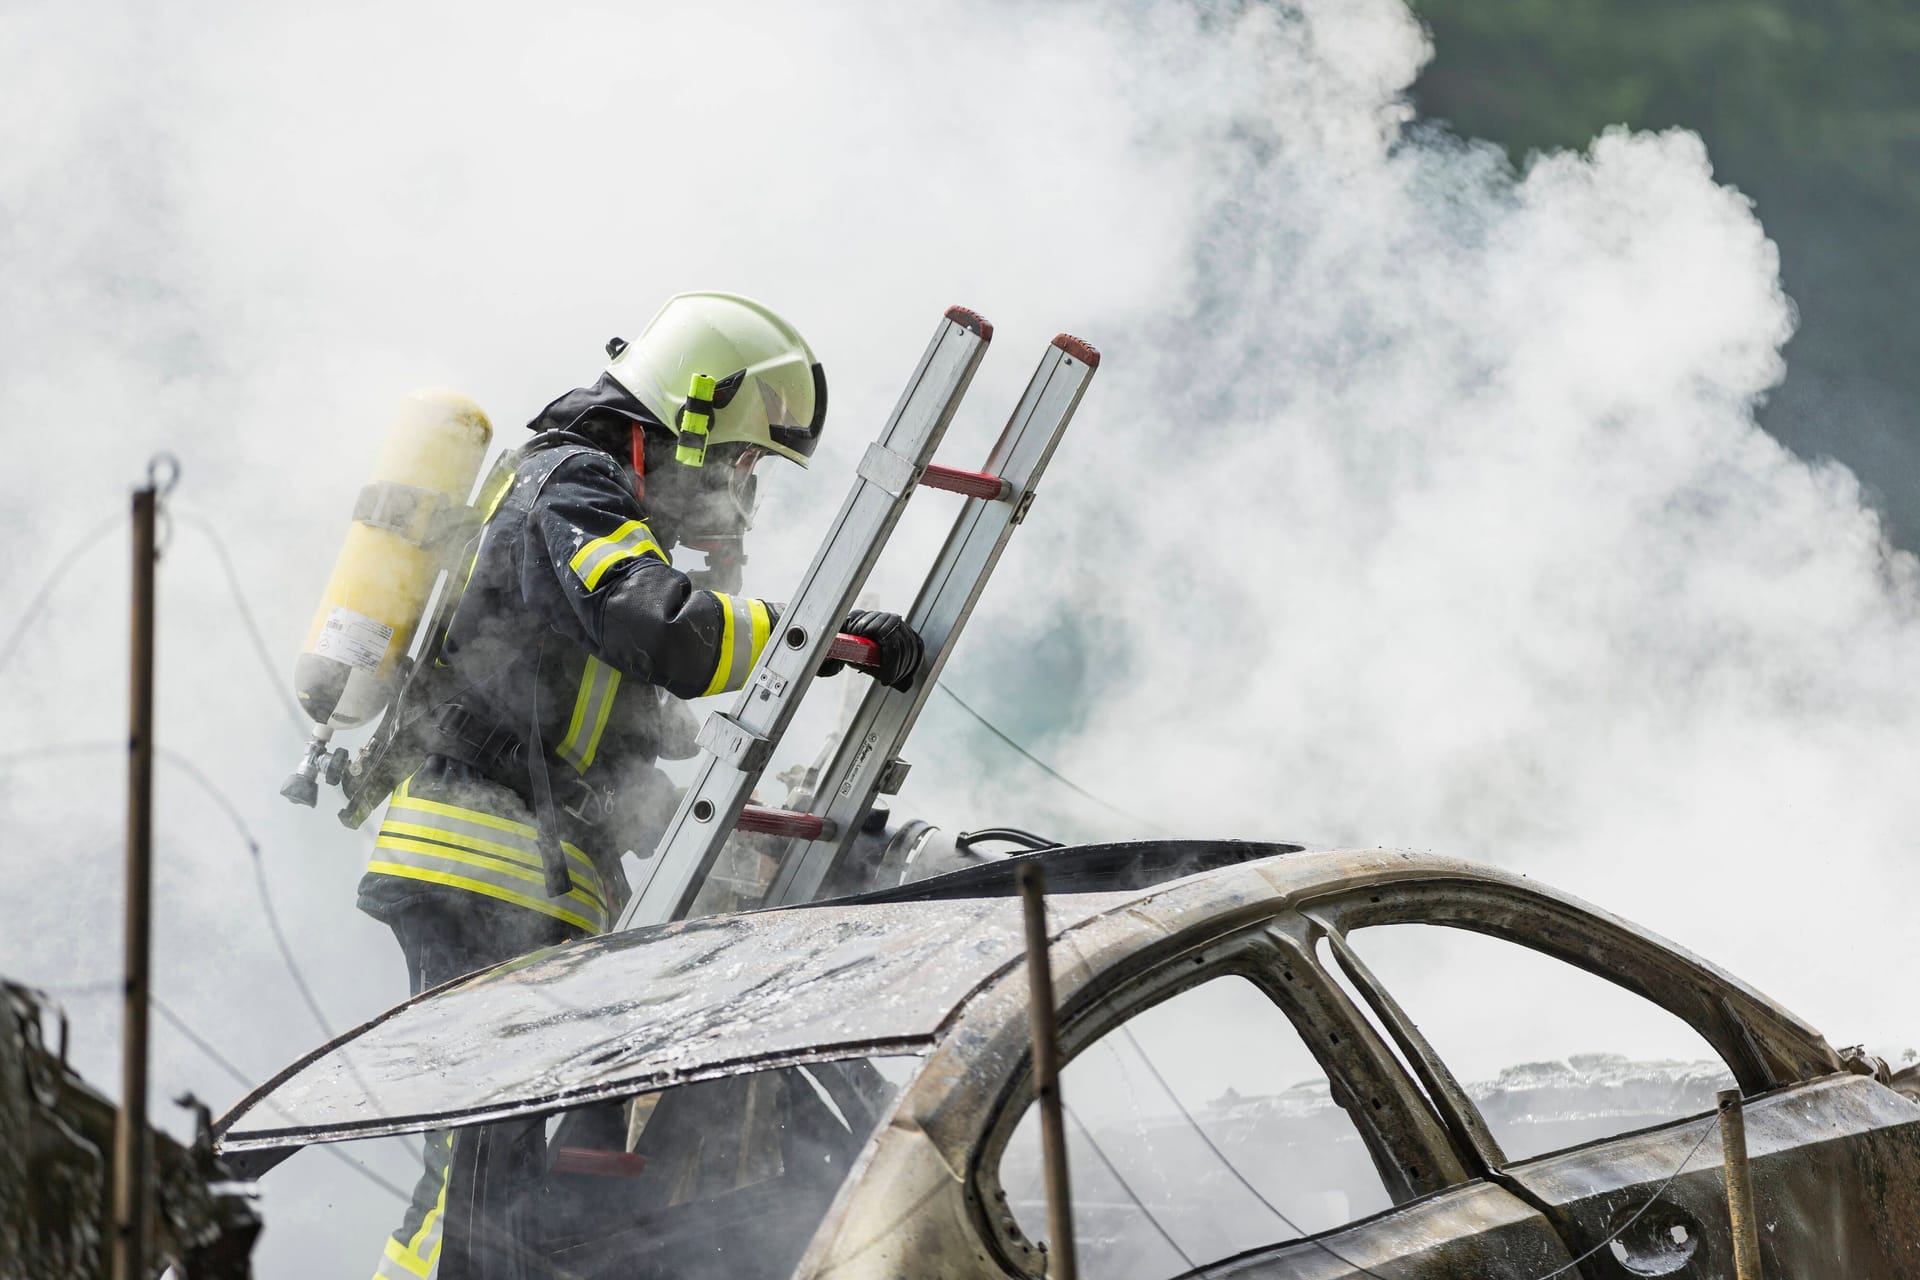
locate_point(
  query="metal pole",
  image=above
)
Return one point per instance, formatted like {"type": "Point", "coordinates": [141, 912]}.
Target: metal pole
{"type": "Point", "coordinates": [1733, 1150]}
{"type": "Point", "coordinates": [1046, 1072]}
{"type": "Point", "coordinates": [132, 1152]}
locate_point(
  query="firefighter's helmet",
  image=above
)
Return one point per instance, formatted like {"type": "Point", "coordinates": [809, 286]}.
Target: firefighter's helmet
{"type": "Point", "coordinates": [718, 368]}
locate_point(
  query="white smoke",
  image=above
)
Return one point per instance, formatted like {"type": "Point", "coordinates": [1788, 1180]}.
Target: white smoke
{"type": "Point", "coordinates": [1418, 501]}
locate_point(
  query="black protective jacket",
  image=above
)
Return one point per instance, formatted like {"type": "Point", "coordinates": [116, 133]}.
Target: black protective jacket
{"type": "Point", "coordinates": [574, 637]}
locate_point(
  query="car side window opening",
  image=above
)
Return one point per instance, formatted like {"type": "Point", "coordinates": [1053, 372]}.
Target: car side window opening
{"type": "Point", "coordinates": [1192, 1128]}
{"type": "Point", "coordinates": [724, 1179]}
{"type": "Point", "coordinates": [1551, 1055]}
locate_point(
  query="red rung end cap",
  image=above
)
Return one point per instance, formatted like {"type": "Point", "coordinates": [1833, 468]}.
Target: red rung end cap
{"type": "Point", "coordinates": [857, 650]}
{"type": "Point", "coordinates": [1078, 348]}
{"type": "Point", "coordinates": [971, 320]}
{"type": "Point", "coordinates": [975, 484]}
{"type": "Point", "coordinates": [780, 822]}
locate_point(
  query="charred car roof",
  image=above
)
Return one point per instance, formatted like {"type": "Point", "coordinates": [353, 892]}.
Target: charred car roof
{"type": "Point", "coordinates": [667, 1004]}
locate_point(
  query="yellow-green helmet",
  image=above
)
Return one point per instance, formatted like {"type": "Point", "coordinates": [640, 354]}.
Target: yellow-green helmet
{"type": "Point", "coordinates": [719, 368]}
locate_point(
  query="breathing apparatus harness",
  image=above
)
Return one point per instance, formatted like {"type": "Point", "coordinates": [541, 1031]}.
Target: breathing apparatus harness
{"type": "Point", "coordinates": [428, 718]}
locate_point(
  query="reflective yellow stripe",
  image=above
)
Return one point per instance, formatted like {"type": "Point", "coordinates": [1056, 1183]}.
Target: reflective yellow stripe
{"type": "Point", "coordinates": [744, 627]}
{"type": "Point", "coordinates": [723, 664]}
{"type": "Point", "coordinates": [579, 860]}
{"type": "Point", "coordinates": [494, 493]}
{"type": "Point", "coordinates": [499, 483]}
{"type": "Point", "coordinates": [398, 1264]}
{"type": "Point", "coordinates": [591, 562]}
{"type": "Point", "coordinates": [419, 1258]}
{"type": "Point", "coordinates": [599, 683]}
{"type": "Point", "coordinates": [425, 1244]}
{"type": "Point", "coordinates": [545, 906]}
{"type": "Point", "coordinates": [404, 799]}
{"type": "Point", "coordinates": [480, 852]}
{"type": "Point", "coordinates": [586, 893]}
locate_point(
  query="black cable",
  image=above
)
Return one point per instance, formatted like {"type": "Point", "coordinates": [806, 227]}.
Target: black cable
{"type": "Point", "coordinates": [1046, 768]}
{"type": "Point", "coordinates": [1712, 1127]}
{"type": "Point", "coordinates": [275, 677]}
{"type": "Point", "coordinates": [219, 798]}
{"type": "Point", "coordinates": [264, 893]}
{"type": "Point", "coordinates": [1010, 835]}
{"type": "Point", "coordinates": [241, 1078]}
{"type": "Point", "coordinates": [1221, 1156]}
{"type": "Point", "coordinates": [40, 597]}
{"type": "Point", "coordinates": [69, 990]}
{"type": "Point", "coordinates": [1125, 1190]}
{"type": "Point", "coordinates": [272, 915]}
{"type": "Point", "coordinates": [1295, 1227]}
{"type": "Point", "coordinates": [220, 1060]}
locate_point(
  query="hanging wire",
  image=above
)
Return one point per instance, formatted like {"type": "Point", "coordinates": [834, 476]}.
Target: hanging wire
{"type": "Point", "coordinates": [267, 909]}
{"type": "Point", "coordinates": [240, 1077]}
{"type": "Point", "coordinates": [1193, 1123]}
{"type": "Point", "coordinates": [1044, 767]}
{"type": "Point", "coordinates": [87, 542]}
{"type": "Point", "coordinates": [261, 651]}
{"type": "Point", "coordinates": [81, 990]}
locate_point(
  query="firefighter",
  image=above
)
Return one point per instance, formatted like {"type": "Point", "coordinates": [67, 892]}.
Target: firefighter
{"type": "Point", "coordinates": [560, 676]}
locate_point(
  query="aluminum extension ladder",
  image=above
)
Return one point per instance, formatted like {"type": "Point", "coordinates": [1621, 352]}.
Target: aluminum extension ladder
{"type": "Point", "coordinates": [736, 746]}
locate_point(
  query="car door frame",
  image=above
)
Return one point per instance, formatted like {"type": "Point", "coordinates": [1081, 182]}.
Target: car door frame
{"type": "Point", "coordinates": [1419, 1163]}
{"type": "Point", "coordinates": [1812, 1128]}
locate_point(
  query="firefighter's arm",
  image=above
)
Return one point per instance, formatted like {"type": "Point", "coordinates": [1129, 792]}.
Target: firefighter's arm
{"type": "Point", "coordinates": [639, 613]}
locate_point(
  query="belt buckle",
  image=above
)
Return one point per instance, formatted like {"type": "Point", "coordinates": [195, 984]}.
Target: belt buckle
{"type": "Point", "coordinates": [588, 806]}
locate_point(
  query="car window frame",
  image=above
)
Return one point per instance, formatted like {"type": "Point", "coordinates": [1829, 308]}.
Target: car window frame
{"type": "Point", "coordinates": [1762, 1050]}
{"type": "Point", "coordinates": [1399, 1129]}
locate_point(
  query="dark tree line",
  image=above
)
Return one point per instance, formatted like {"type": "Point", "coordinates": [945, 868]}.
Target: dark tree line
{"type": "Point", "coordinates": [1811, 107]}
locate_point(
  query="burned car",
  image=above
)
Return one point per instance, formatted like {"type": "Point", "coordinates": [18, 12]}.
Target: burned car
{"type": "Point", "coordinates": [1262, 1080]}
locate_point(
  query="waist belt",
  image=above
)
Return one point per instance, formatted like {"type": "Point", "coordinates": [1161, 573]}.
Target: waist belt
{"type": "Point", "coordinates": [499, 754]}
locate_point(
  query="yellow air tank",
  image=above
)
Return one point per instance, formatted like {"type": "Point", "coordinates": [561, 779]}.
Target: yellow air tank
{"type": "Point", "coordinates": [378, 593]}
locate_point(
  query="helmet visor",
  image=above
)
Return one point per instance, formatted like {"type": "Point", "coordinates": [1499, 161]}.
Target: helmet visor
{"type": "Point", "coordinates": [801, 438]}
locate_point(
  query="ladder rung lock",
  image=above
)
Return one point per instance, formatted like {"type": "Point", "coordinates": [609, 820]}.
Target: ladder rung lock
{"type": "Point", "coordinates": [893, 472]}
{"type": "Point", "coordinates": [731, 744]}
{"type": "Point", "coordinates": [975, 484]}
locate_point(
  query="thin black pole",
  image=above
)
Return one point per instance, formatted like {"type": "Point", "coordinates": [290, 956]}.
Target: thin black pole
{"type": "Point", "coordinates": [132, 1148]}
{"type": "Point", "coordinates": [1046, 1073]}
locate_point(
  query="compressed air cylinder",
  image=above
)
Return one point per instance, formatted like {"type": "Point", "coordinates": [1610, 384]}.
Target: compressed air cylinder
{"type": "Point", "coordinates": [395, 548]}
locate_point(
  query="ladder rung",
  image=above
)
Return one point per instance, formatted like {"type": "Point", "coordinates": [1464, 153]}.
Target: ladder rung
{"type": "Point", "coordinates": [854, 650]}
{"type": "Point", "coordinates": [975, 484]}
{"type": "Point", "coordinates": [783, 822]}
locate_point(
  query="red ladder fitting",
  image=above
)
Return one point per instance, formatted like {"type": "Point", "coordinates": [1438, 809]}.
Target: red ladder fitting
{"type": "Point", "coordinates": [975, 484]}
{"type": "Point", "coordinates": [782, 822]}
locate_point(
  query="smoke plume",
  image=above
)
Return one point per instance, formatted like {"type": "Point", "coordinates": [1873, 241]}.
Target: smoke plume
{"type": "Point", "coordinates": [1418, 501]}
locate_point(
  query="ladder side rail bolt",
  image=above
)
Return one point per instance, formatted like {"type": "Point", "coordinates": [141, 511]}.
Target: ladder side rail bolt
{"type": "Point", "coordinates": [847, 788]}
{"type": "Point", "coordinates": [736, 746]}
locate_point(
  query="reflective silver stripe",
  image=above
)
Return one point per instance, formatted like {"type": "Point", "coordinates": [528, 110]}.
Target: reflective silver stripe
{"type": "Point", "coordinates": [631, 539]}
{"type": "Point", "coordinates": [598, 685]}
{"type": "Point", "coordinates": [740, 661]}
{"type": "Point", "coordinates": [734, 658]}
{"type": "Point", "coordinates": [515, 841]}
{"type": "Point", "coordinates": [391, 1268]}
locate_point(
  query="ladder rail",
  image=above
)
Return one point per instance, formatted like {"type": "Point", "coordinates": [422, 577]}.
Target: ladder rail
{"type": "Point", "coordinates": [863, 761]}
{"type": "Point", "coordinates": [736, 746]}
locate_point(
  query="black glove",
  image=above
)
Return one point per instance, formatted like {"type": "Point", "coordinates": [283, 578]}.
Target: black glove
{"type": "Point", "coordinates": [900, 647]}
